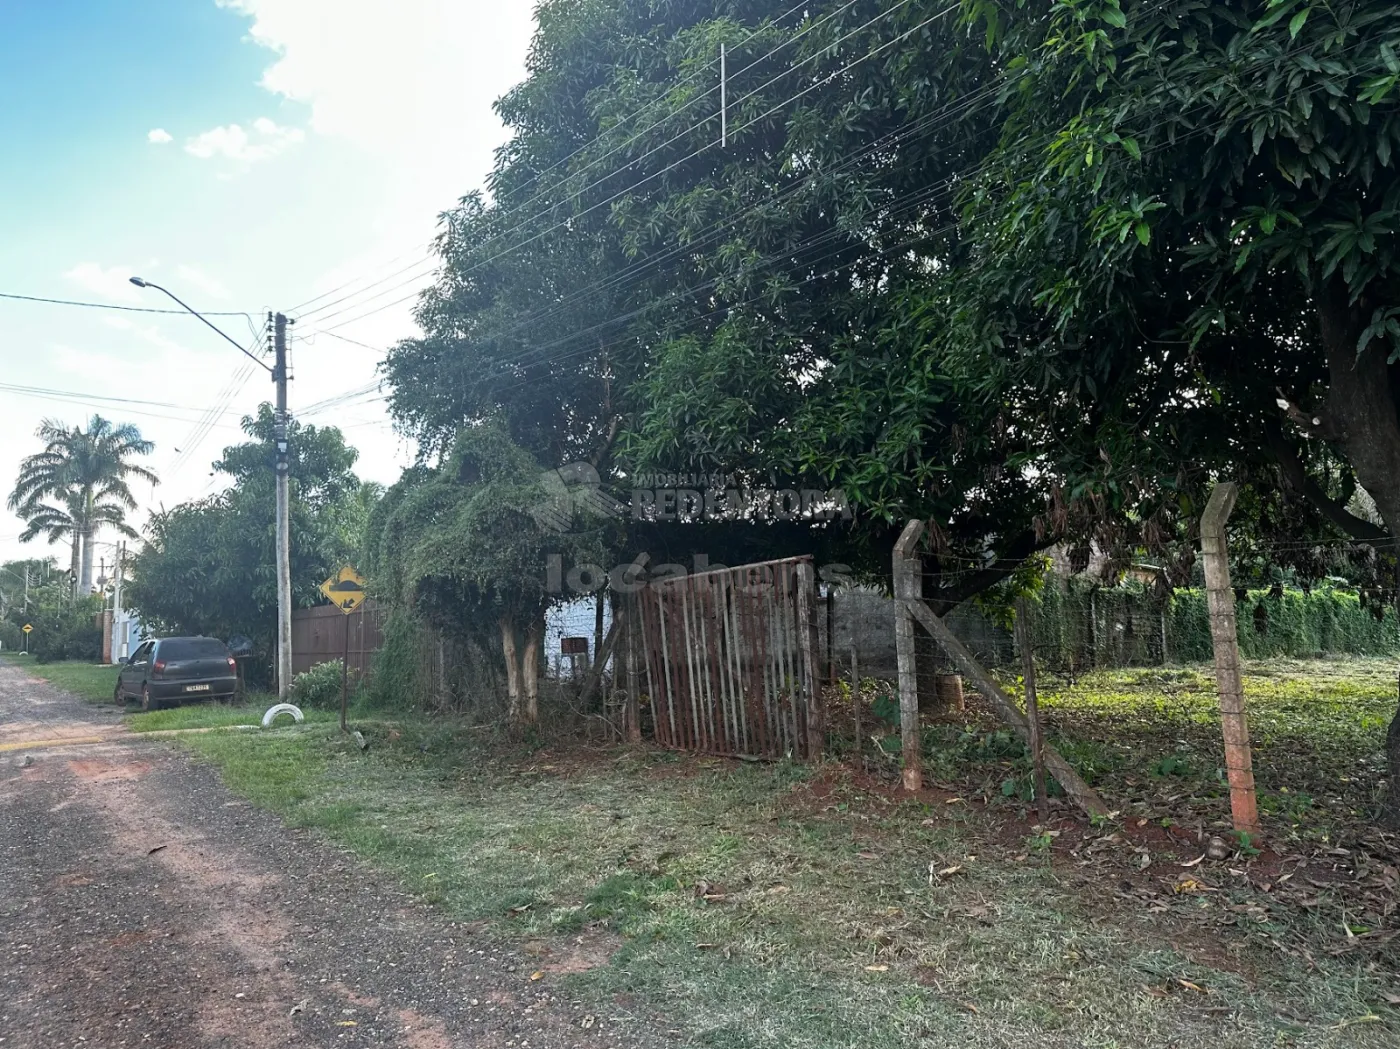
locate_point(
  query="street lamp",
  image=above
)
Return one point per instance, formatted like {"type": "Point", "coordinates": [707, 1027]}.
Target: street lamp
{"type": "Point", "coordinates": [195, 313]}
{"type": "Point", "coordinates": [284, 515]}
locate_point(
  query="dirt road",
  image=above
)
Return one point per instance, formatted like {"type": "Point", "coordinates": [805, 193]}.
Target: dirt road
{"type": "Point", "coordinates": [142, 904]}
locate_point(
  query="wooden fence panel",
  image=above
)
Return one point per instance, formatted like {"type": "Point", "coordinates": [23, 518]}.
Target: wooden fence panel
{"type": "Point", "coordinates": [729, 660]}
{"type": "Point", "coordinates": [318, 637]}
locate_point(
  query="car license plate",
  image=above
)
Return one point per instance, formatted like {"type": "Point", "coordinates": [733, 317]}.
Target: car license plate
{"type": "Point", "coordinates": [196, 688]}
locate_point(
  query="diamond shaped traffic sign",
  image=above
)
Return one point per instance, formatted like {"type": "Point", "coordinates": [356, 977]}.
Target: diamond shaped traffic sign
{"type": "Point", "coordinates": [345, 590]}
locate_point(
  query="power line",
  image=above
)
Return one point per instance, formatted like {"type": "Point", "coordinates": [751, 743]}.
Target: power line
{"type": "Point", "coordinates": [83, 401]}
{"type": "Point", "coordinates": [694, 153]}
{"type": "Point", "coordinates": [540, 214]}
{"type": "Point", "coordinates": [597, 139]}
{"type": "Point", "coordinates": [965, 105]}
{"type": "Point", "coordinates": [43, 391]}
{"type": "Point", "coordinates": [110, 306]}
{"type": "Point", "coordinates": [206, 423]}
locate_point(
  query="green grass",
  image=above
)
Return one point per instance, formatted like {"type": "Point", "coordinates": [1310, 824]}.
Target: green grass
{"type": "Point", "coordinates": [217, 715]}
{"type": "Point", "coordinates": [1317, 727]}
{"type": "Point", "coordinates": [93, 683]}
{"type": "Point", "coordinates": [778, 905]}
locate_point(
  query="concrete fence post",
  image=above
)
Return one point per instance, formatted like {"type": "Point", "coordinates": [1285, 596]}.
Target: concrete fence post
{"type": "Point", "coordinates": [906, 588]}
{"type": "Point", "coordinates": [1220, 604]}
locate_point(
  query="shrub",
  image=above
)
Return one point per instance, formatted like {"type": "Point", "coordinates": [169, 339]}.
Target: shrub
{"type": "Point", "coordinates": [67, 631]}
{"type": "Point", "coordinates": [319, 687]}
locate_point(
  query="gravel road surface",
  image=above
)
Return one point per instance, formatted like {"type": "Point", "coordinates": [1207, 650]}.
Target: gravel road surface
{"type": "Point", "coordinates": [143, 904]}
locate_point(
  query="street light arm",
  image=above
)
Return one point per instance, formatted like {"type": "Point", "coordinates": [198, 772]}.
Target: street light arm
{"type": "Point", "coordinates": [193, 312]}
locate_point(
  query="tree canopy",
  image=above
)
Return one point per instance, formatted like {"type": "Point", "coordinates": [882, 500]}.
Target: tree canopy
{"type": "Point", "coordinates": [1036, 273]}
{"type": "Point", "coordinates": [210, 567]}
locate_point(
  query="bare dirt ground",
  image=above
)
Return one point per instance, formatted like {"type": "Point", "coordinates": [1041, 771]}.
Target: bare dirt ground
{"type": "Point", "coordinates": [143, 904]}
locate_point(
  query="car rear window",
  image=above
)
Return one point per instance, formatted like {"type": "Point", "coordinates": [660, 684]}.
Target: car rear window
{"type": "Point", "coordinates": [193, 648]}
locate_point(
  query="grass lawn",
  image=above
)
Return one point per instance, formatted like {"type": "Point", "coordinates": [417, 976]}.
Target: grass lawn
{"type": "Point", "coordinates": [219, 715]}
{"type": "Point", "coordinates": [96, 684]}
{"type": "Point", "coordinates": [92, 682]}
{"type": "Point", "coordinates": [766, 905]}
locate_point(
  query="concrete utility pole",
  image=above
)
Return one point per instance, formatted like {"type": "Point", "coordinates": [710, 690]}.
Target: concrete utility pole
{"type": "Point", "coordinates": [284, 525]}
{"type": "Point", "coordinates": [117, 639]}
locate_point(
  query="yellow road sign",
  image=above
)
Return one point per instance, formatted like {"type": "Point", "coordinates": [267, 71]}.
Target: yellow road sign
{"type": "Point", "coordinates": [345, 590]}
{"type": "Point", "coordinates": [27, 628]}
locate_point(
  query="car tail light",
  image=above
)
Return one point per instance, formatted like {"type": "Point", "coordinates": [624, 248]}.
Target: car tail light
{"type": "Point", "coordinates": [233, 663]}
{"type": "Point", "coordinates": [159, 666]}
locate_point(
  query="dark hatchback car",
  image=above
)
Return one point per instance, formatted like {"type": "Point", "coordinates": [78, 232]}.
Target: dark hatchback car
{"type": "Point", "coordinates": [171, 669]}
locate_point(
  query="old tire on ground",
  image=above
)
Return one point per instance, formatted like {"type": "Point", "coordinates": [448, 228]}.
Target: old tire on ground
{"type": "Point", "coordinates": [274, 712]}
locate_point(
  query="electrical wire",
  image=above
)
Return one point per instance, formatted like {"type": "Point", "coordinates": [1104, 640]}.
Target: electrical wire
{"type": "Point", "coordinates": [738, 102]}
{"type": "Point", "coordinates": [971, 172]}
{"type": "Point", "coordinates": [124, 309]}
{"type": "Point", "coordinates": [598, 160]}
{"type": "Point", "coordinates": [674, 164]}
{"type": "Point", "coordinates": [95, 403]}
{"type": "Point", "coordinates": [202, 428]}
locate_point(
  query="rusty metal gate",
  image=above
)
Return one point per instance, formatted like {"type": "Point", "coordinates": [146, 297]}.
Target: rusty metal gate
{"type": "Point", "coordinates": [729, 660]}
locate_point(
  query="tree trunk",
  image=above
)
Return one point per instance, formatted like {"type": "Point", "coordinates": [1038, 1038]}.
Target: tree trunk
{"type": "Point", "coordinates": [75, 562]}
{"type": "Point", "coordinates": [1362, 418]}
{"type": "Point", "coordinates": [85, 576]}
{"type": "Point", "coordinates": [530, 671]}
{"type": "Point", "coordinates": [511, 652]}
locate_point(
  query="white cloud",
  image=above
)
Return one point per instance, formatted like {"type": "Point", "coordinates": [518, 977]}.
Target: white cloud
{"type": "Point", "coordinates": [211, 286]}
{"type": "Point", "coordinates": [232, 142]}
{"type": "Point", "coordinates": [401, 78]}
{"type": "Point", "coordinates": [111, 283]}
{"type": "Point", "coordinates": [159, 136]}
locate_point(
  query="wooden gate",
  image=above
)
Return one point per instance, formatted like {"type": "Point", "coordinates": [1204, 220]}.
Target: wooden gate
{"type": "Point", "coordinates": [729, 660]}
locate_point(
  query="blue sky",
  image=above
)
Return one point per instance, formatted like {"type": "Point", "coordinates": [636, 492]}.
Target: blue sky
{"type": "Point", "coordinates": [249, 155]}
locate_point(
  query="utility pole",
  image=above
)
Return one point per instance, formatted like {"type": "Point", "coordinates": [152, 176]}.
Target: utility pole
{"type": "Point", "coordinates": [283, 524]}
{"type": "Point", "coordinates": [117, 640]}
{"type": "Point", "coordinates": [284, 527]}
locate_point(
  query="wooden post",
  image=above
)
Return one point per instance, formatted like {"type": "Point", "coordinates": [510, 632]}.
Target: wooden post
{"type": "Point", "coordinates": [906, 589]}
{"type": "Point", "coordinates": [1026, 644]}
{"type": "Point", "coordinates": [1061, 769]}
{"type": "Point", "coordinates": [345, 673]}
{"type": "Point", "coordinates": [593, 677]}
{"type": "Point", "coordinates": [1093, 629]}
{"type": "Point", "coordinates": [855, 708]}
{"type": "Point", "coordinates": [634, 707]}
{"type": "Point", "coordinates": [1165, 657]}
{"type": "Point", "coordinates": [805, 577]}
{"type": "Point", "coordinates": [1220, 603]}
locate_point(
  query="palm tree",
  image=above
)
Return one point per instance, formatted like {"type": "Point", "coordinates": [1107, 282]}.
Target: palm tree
{"type": "Point", "coordinates": [76, 518]}
{"type": "Point", "coordinates": [86, 472]}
